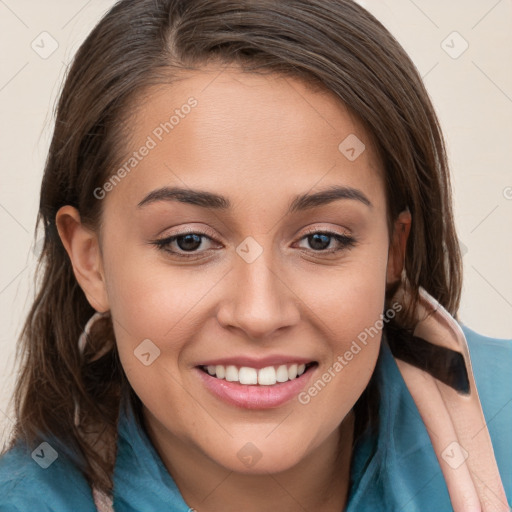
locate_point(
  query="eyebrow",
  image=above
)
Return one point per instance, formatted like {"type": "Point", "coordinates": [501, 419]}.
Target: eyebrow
{"type": "Point", "coordinates": [214, 201]}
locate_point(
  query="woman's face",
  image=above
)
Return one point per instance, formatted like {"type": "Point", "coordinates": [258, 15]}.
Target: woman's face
{"type": "Point", "coordinates": [250, 287]}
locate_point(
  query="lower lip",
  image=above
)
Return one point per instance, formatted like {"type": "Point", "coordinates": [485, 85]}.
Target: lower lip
{"type": "Point", "coordinates": [256, 396]}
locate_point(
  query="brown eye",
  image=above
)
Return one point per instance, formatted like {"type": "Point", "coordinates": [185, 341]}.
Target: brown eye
{"type": "Point", "coordinates": [189, 242]}
{"type": "Point", "coordinates": [319, 241]}
{"type": "Point", "coordinates": [183, 243]}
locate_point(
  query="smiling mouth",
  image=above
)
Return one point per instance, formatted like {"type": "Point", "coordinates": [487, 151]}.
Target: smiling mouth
{"type": "Point", "coordinates": [268, 376]}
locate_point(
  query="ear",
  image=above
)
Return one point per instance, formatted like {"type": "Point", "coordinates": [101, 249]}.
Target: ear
{"type": "Point", "coordinates": [83, 248]}
{"type": "Point", "coordinates": [396, 255]}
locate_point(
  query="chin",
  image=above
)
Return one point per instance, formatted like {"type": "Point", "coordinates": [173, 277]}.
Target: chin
{"type": "Point", "coordinates": [260, 457]}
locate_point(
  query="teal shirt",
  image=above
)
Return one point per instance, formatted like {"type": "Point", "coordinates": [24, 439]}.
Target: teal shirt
{"type": "Point", "coordinates": [397, 470]}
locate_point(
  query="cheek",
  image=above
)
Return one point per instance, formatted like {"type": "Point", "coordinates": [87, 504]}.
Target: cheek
{"type": "Point", "coordinates": [150, 302]}
{"type": "Point", "coordinates": [347, 298]}
{"type": "Point", "coordinates": [153, 316]}
{"type": "Point", "coordinates": [348, 306]}
{"type": "Point", "coordinates": [150, 298]}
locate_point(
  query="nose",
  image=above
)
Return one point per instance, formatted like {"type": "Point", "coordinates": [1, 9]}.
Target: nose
{"type": "Point", "coordinates": [259, 300]}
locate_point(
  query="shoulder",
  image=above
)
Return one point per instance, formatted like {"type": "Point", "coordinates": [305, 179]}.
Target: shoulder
{"type": "Point", "coordinates": [41, 480]}
{"type": "Point", "coordinates": [491, 360]}
{"type": "Point", "coordinates": [481, 344]}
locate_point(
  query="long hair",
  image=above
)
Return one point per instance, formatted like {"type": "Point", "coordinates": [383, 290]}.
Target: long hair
{"type": "Point", "coordinates": [331, 44]}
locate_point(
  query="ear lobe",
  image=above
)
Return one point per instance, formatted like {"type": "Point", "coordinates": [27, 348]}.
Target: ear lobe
{"type": "Point", "coordinates": [82, 246]}
{"type": "Point", "coordinates": [396, 255]}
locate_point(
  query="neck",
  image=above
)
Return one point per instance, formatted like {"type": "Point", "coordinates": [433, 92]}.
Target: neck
{"type": "Point", "coordinates": [319, 482]}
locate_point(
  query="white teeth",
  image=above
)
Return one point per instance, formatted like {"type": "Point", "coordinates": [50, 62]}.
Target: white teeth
{"type": "Point", "coordinates": [247, 375]}
{"type": "Point", "coordinates": [231, 373]}
{"type": "Point", "coordinates": [220, 371]}
{"type": "Point", "coordinates": [282, 373]}
{"type": "Point", "coordinates": [267, 376]}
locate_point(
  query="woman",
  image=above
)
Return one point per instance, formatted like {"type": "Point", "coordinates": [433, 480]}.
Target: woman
{"type": "Point", "coordinates": [248, 224]}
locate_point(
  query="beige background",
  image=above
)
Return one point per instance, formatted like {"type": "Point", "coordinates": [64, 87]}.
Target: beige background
{"type": "Point", "coordinates": [471, 90]}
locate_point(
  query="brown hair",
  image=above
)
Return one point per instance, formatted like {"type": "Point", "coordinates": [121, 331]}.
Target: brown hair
{"type": "Point", "coordinates": [335, 44]}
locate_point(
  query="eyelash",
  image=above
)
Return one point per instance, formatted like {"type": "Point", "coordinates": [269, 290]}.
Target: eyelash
{"type": "Point", "coordinates": [346, 242]}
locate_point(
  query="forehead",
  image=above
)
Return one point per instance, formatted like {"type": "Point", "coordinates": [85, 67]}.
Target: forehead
{"type": "Point", "coordinates": [244, 133]}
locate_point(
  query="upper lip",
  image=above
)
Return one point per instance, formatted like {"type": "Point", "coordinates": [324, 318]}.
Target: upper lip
{"type": "Point", "coordinates": [257, 363]}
